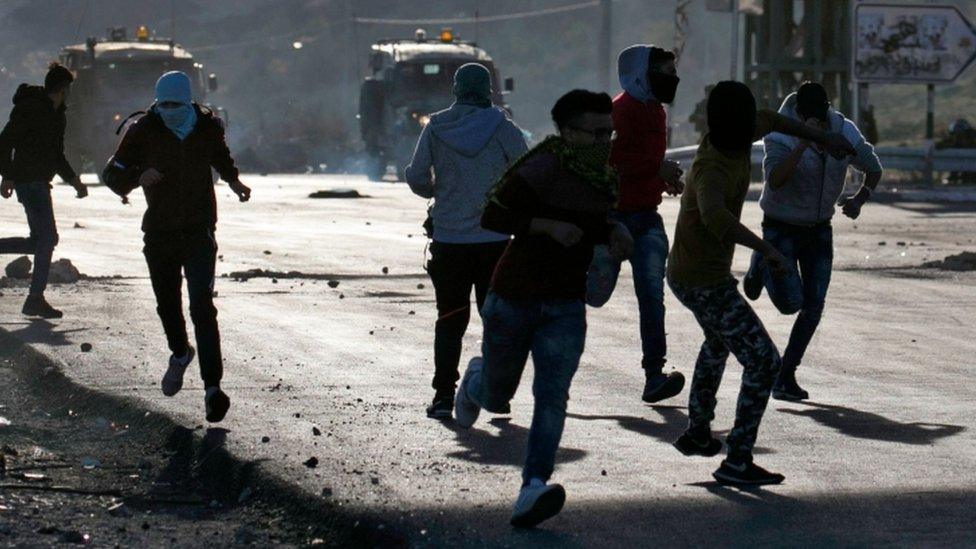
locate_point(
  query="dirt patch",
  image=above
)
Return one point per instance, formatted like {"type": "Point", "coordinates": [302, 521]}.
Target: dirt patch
{"type": "Point", "coordinates": [243, 276]}
{"type": "Point", "coordinates": [966, 261]}
{"type": "Point", "coordinates": [338, 193]}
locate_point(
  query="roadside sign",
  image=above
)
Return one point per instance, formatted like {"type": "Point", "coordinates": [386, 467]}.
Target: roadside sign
{"type": "Point", "coordinates": [901, 43]}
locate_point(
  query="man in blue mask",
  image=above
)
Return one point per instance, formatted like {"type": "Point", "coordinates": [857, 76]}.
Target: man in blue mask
{"type": "Point", "coordinates": [169, 152]}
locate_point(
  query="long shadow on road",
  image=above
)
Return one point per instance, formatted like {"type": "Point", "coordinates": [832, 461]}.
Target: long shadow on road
{"type": "Point", "coordinates": [506, 447]}
{"type": "Point", "coordinates": [37, 330]}
{"type": "Point", "coordinates": [868, 425]}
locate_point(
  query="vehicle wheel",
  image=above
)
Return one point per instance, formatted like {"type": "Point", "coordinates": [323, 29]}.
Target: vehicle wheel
{"type": "Point", "coordinates": [375, 168]}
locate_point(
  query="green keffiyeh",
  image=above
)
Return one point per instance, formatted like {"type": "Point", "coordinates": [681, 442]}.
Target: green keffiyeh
{"type": "Point", "coordinates": [590, 162]}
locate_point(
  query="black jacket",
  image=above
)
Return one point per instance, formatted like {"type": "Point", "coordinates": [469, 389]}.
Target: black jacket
{"type": "Point", "coordinates": [184, 200]}
{"type": "Point", "coordinates": [32, 142]}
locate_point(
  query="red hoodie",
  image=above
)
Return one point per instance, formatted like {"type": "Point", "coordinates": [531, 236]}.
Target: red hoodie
{"type": "Point", "coordinates": [638, 151]}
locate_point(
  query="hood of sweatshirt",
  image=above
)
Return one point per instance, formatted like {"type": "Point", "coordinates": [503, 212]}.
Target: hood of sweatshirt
{"type": "Point", "coordinates": [632, 65]}
{"type": "Point", "coordinates": [27, 94]}
{"type": "Point", "coordinates": [466, 129]}
{"type": "Point", "coordinates": [788, 108]}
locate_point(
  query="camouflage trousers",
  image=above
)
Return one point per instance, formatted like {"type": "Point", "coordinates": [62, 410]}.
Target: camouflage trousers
{"type": "Point", "coordinates": [730, 326]}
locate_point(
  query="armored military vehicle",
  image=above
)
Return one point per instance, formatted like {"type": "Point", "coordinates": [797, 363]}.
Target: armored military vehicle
{"type": "Point", "coordinates": [411, 78]}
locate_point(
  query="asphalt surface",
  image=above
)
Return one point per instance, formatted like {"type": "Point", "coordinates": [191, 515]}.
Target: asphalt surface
{"type": "Point", "coordinates": [882, 453]}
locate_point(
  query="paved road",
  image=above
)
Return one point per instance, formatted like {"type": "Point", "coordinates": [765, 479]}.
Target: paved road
{"type": "Point", "coordinates": [883, 452]}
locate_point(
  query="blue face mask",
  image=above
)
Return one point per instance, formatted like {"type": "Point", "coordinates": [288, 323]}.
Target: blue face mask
{"type": "Point", "coordinates": [180, 120]}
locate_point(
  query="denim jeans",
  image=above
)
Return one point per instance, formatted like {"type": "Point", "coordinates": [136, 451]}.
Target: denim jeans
{"type": "Point", "coordinates": [454, 269]}
{"type": "Point", "coordinates": [194, 255]}
{"type": "Point", "coordinates": [730, 326]}
{"type": "Point", "coordinates": [648, 264]}
{"type": "Point", "coordinates": [812, 250]}
{"type": "Point", "coordinates": [36, 198]}
{"type": "Point", "coordinates": [554, 332]}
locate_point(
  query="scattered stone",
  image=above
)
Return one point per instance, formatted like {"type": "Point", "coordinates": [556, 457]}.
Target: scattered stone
{"type": "Point", "coordinates": [244, 536]}
{"type": "Point", "coordinates": [338, 193]}
{"type": "Point", "coordinates": [333, 283]}
{"type": "Point", "coordinates": [245, 494]}
{"type": "Point", "coordinates": [386, 270]}
{"type": "Point", "coordinates": [374, 480]}
{"type": "Point", "coordinates": [327, 492]}
{"type": "Point", "coordinates": [64, 272]}
{"type": "Point", "coordinates": [19, 268]}
{"type": "Point", "coordinates": [603, 472]}
{"type": "Point", "coordinates": [4, 422]}
{"type": "Point", "coordinates": [420, 286]}
{"type": "Point", "coordinates": [342, 296]}
{"type": "Point", "coordinates": [311, 462]}
{"type": "Point", "coordinates": [8, 450]}
{"type": "Point", "coordinates": [267, 252]}
{"type": "Point", "coordinates": [79, 225]}
{"type": "Point", "coordinates": [297, 415]}
{"type": "Point", "coordinates": [965, 261]}
{"type": "Point", "coordinates": [90, 463]}
{"type": "Point", "coordinates": [145, 525]}
{"type": "Point", "coordinates": [119, 510]}
{"type": "Point", "coordinates": [882, 243]}
{"type": "Point", "coordinates": [265, 439]}
{"type": "Point", "coordinates": [316, 432]}
{"type": "Point", "coordinates": [900, 243]}
{"type": "Point", "coordinates": [86, 347]}
{"type": "Point", "coordinates": [412, 313]}
{"type": "Point", "coordinates": [74, 536]}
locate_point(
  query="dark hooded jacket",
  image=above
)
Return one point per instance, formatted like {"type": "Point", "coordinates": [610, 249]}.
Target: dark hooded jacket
{"type": "Point", "coordinates": [32, 142]}
{"type": "Point", "coordinates": [184, 201]}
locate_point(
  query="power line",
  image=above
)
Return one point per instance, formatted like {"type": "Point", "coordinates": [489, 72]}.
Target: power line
{"type": "Point", "coordinates": [483, 19]}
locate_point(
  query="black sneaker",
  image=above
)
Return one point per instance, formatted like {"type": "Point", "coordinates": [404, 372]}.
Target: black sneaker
{"type": "Point", "coordinates": [36, 305]}
{"type": "Point", "coordinates": [691, 445]}
{"type": "Point", "coordinates": [745, 474]}
{"type": "Point", "coordinates": [658, 386]}
{"type": "Point", "coordinates": [752, 285]}
{"type": "Point", "coordinates": [441, 407]}
{"type": "Point", "coordinates": [217, 403]}
{"type": "Point", "coordinates": [786, 388]}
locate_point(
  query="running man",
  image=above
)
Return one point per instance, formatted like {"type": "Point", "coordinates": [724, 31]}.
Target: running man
{"type": "Point", "coordinates": [700, 275]}
{"type": "Point", "coordinates": [169, 152]}
{"type": "Point", "coordinates": [803, 183]}
{"type": "Point", "coordinates": [555, 202]}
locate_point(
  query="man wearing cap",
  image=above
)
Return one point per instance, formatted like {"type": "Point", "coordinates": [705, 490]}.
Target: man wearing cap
{"type": "Point", "coordinates": [461, 152]}
{"type": "Point", "coordinates": [169, 152]}
{"type": "Point", "coordinates": [803, 183]}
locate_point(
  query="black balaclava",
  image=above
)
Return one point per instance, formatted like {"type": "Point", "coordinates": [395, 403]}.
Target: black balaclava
{"type": "Point", "coordinates": [731, 116]}
{"type": "Point", "coordinates": [811, 101]}
{"type": "Point", "coordinates": [663, 86]}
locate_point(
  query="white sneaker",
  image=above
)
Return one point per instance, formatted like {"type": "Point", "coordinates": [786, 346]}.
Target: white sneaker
{"type": "Point", "coordinates": [466, 410]}
{"type": "Point", "coordinates": [173, 378]}
{"type": "Point", "coordinates": [537, 503]}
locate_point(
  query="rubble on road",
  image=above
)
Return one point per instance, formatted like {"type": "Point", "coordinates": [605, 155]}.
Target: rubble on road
{"type": "Point", "coordinates": [965, 261]}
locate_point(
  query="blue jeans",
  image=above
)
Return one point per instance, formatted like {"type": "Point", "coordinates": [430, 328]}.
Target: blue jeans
{"type": "Point", "coordinates": [36, 198]}
{"type": "Point", "coordinates": [648, 264]}
{"type": "Point", "coordinates": [554, 332]}
{"type": "Point", "coordinates": [812, 250]}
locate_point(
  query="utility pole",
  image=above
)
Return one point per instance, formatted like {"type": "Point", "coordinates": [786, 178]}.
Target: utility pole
{"type": "Point", "coordinates": [603, 50]}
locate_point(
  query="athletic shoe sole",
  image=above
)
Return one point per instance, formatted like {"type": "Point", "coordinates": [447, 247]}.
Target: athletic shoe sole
{"type": "Point", "coordinates": [178, 384]}
{"type": "Point", "coordinates": [440, 414]}
{"type": "Point", "coordinates": [217, 407]}
{"type": "Point", "coordinates": [672, 387]}
{"type": "Point", "coordinates": [730, 480]}
{"type": "Point", "coordinates": [547, 506]}
{"type": "Point", "coordinates": [690, 448]}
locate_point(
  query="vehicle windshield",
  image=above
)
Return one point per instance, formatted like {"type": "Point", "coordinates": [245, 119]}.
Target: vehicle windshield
{"type": "Point", "coordinates": [426, 78]}
{"type": "Point", "coordinates": [130, 81]}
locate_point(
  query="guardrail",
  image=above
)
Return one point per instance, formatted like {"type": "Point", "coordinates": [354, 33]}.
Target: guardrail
{"type": "Point", "coordinates": [892, 158]}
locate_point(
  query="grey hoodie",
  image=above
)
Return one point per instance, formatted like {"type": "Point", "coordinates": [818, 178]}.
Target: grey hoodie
{"type": "Point", "coordinates": [810, 194]}
{"type": "Point", "coordinates": [468, 148]}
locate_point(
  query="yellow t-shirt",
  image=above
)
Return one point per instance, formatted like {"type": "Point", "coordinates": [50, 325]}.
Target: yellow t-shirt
{"type": "Point", "coordinates": [711, 205]}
